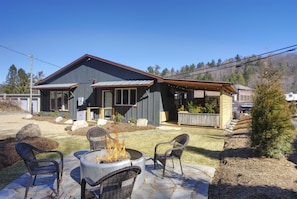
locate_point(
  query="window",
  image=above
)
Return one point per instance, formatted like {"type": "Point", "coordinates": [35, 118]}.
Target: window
{"type": "Point", "coordinates": [59, 100]}
{"type": "Point", "coordinates": [125, 96]}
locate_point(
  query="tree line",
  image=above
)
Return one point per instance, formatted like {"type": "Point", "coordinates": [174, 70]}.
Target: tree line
{"type": "Point", "coordinates": [18, 81]}
{"type": "Point", "coordinates": [237, 70]}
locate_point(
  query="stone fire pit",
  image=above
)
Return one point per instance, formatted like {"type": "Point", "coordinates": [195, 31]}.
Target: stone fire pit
{"type": "Point", "coordinates": [93, 168]}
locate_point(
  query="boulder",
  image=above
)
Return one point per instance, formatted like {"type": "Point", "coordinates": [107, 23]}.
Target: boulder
{"type": "Point", "coordinates": [79, 124]}
{"type": "Point", "coordinates": [28, 116]}
{"type": "Point", "coordinates": [101, 122]}
{"type": "Point", "coordinates": [70, 121]}
{"type": "Point", "coordinates": [141, 122]}
{"type": "Point", "coordinates": [28, 131]}
{"type": "Point", "coordinates": [59, 119]}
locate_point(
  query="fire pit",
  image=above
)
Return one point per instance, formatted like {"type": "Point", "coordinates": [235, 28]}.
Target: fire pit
{"type": "Point", "coordinates": [98, 163]}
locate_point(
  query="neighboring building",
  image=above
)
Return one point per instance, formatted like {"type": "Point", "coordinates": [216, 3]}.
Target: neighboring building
{"type": "Point", "coordinates": [243, 94]}
{"type": "Point", "coordinates": [23, 101]}
{"type": "Point", "coordinates": [242, 100]}
{"type": "Point", "coordinates": [291, 97]}
{"type": "Point", "coordinates": [92, 87]}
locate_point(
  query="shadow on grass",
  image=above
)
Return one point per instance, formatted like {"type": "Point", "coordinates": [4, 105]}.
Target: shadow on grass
{"type": "Point", "coordinates": [205, 152]}
{"type": "Point", "coordinates": [217, 155]}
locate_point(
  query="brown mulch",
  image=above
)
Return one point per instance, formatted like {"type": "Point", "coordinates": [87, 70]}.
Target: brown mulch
{"type": "Point", "coordinates": [9, 156]}
{"type": "Point", "coordinates": [113, 128]}
{"type": "Point", "coordinates": [242, 174]}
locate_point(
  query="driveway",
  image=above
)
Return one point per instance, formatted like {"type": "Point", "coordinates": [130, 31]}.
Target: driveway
{"type": "Point", "coordinates": [12, 122]}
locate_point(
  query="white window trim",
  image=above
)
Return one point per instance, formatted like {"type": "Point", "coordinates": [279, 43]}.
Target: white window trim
{"type": "Point", "coordinates": [129, 96]}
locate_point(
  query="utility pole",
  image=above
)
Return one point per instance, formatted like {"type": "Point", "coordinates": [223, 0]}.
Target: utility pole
{"type": "Point", "coordinates": [31, 82]}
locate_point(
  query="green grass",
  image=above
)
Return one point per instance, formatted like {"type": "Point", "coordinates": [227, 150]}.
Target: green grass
{"type": "Point", "coordinates": [204, 147]}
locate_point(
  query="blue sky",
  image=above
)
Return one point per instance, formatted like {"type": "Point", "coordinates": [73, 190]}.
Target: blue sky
{"type": "Point", "coordinates": [140, 33]}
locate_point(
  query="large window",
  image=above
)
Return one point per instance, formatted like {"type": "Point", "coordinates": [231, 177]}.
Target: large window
{"type": "Point", "coordinates": [59, 100]}
{"type": "Point", "coordinates": [125, 96]}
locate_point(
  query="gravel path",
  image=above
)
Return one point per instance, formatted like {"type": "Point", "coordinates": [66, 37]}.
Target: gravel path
{"type": "Point", "coordinates": [12, 122]}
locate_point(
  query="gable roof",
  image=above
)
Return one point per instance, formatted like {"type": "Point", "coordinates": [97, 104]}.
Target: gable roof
{"type": "Point", "coordinates": [191, 84]}
{"type": "Point", "coordinates": [87, 57]}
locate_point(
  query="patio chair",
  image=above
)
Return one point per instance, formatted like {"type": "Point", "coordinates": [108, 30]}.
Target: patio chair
{"type": "Point", "coordinates": [177, 146]}
{"type": "Point", "coordinates": [37, 166]}
{"type": "Point", "coordinates": [96, 137]}
{"type": "Point", "coordinates": [117, 184]}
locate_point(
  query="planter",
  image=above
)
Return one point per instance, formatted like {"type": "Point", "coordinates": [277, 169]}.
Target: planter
{"type": "Point", "coordinates": [199, 119]}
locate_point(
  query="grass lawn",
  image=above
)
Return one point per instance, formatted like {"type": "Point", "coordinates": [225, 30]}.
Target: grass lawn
{"type": "Point", "coordinates": [204, 147]}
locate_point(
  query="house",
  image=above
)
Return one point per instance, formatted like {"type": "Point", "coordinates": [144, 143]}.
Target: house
{"type": "Point", "coordinates": [244, 94]}
{"type": "Point", "coordinates": [91, 88]}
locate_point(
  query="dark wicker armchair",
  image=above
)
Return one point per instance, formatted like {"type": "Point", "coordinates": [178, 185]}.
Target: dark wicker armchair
{"type": "Point", "coordinates": [177, 146]}
{"type": "Point", "coordinates": [117, 184]}
{"type": "Point", "coordinates": [40, 166]}
{"type": "Point", "coordinates": [96, 137]}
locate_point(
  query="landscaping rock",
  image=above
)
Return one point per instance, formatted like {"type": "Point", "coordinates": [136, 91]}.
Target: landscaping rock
{"type": "Point", "coordinates": [101, 122]}
{"type": "Point", "coordinates": [28, 131]}
{"type": "Point", "coordinates": [79, 124]}
{"type": "Point", "coordinates": [28, 116]}
{"type": "Point", "coordinates": [69, 122]}
{"type": "Point", "coordinates": [59, 119]}
{"type": "Point", "coordinates": [141, 122]}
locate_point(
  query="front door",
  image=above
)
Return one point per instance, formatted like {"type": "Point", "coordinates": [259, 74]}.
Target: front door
{"type": "Point", "coordinates": [107, 104]}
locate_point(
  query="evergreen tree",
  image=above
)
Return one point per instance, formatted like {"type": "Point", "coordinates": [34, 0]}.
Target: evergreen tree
{"type": "Point", "coordinates": [207, 76]}
{"type": "Point", "coordinates": [150, 69]}
{"type": "Point", "coordinates": [164, 72]}
{"type": "Point", "coordinates": [23, 82]}
{"type": "Point", "coordinates": [213, 63]}
{"type": "Point", "coordinates": [272, 128]}
{"type": "Point", "coordinates": [10, 85]}
{"type": "Point", "coordinates": [219, 62]}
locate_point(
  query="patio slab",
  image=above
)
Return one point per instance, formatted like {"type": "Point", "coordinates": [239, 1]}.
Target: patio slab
{"type": "Point", "coordinates": [194, 184]}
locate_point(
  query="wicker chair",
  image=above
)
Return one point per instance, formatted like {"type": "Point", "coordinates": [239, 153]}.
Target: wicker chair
{"type": "Point", "coordinates": [177, 146]}
{"type": "Point", "coordinates": [40, 166]}
{"type": "Point", "coordinates": [96, 137]}
{"type": "Point", "coordinates": [117, 184]}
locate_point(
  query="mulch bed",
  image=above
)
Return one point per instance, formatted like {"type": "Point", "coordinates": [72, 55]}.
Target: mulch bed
{"type": "Point", "coordinates": [241, 174]}
{"type": "Point", "coordinates": [9, 156]}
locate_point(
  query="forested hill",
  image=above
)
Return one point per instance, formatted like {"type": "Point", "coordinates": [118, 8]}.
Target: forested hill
{"type": "Point", "coordinates": [238, 70]}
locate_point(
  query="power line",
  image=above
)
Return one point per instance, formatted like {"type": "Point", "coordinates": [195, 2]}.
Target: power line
{"type": "Point", "coordinates": [242, 62]}
{"type": "Point", "coordinates": [27, 55]}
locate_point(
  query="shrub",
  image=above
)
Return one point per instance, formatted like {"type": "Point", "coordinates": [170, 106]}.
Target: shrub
{"type": "Point", "coordinates": [132, 120]}
{"type": "Point", "coordinates": [210, 107]}
{"type": "Point", "coordinates": [194, 108]}
{"type": "Point", "coordinates": [271, 123]}
{"type": "Point", "coordinates": [118, 118]}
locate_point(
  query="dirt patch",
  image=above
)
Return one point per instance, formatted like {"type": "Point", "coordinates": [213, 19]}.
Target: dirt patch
{"type": "Point", "coordinates": [243, 175]}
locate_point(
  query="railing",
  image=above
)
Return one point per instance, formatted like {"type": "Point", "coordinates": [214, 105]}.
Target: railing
{"type": "Point", "coordinates": [199, 119]}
